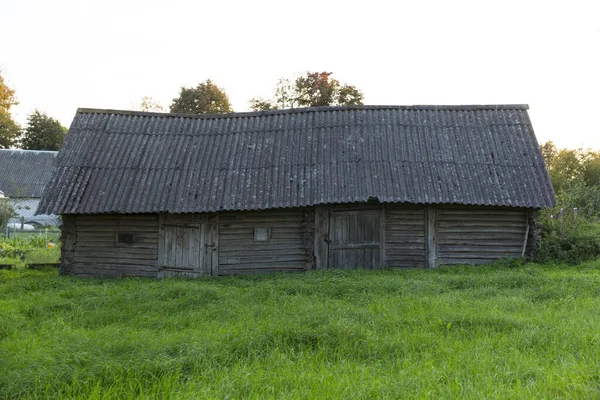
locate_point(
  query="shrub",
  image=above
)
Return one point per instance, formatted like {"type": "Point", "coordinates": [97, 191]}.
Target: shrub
{"type": "Point", "coordinates": [570, 239]}
{"type": "Point", "coordinates": [9, 250]}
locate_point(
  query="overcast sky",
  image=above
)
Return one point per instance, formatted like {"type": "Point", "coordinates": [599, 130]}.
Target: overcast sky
{"type": "Point", "coordinates": [61, 55]}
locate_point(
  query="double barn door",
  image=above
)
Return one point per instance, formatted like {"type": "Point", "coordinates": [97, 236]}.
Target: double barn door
{"type": "Point", "coordinates": [355, 238]}
{"type": "Point", "coordinates": [187, 246]}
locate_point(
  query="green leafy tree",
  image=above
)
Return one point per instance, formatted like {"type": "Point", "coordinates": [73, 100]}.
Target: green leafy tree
{"type": "Point", "coordinates": [591, 168]}
{"type": "Point", "coordinates": [311, 89]}
{"type": "Point", "coordinates": [7, 96]}
{"type": "Point", "coordinates": [258, 104]}
{"type": "Point", "coordinates": [149, 104]}
{"type": "Point", "coordinates": [567, 166]}
{"type": "Point", "coordinates": [6, 213]}
{"type": "Point", "coordinates": [9, 129]}
{"type": "Point", "coordinates": [206, 98]}
{"type": "Point", "coordinates": [43, 133]}
{"type": "Point", "coordinates": [575, 176]}
{"type": "Point", "coordinates": [548, 152]}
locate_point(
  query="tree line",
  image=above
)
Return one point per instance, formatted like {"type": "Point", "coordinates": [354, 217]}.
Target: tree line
{"type": "Point", "coordinates": [41, 133]}
{"type": "Point", "coordinates": [575, 176]}
{"type": "Point", "coordinates": [310, 89]}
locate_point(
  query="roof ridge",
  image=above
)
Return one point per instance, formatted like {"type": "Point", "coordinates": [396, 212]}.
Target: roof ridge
{"type": "Point", "coordinates": [30, 151]}
{"type": "Point", "coordinates": [447, 107]}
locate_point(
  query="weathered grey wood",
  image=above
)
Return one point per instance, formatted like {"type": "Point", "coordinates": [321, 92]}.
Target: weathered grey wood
{"type": "Point", "coordinates": [185, 246]}
{"type": "Point", "coordinates": [432, 235]}
{"type": "Point", "coordinates": [355, 237]}
{"type": "Point", "coordinates": [313, 237]}
{"type": "Point", "coordinates": [98, 251]}
{"type": "Point", "coordinates": [473, 236]}
{"type": "Point", "coordinates": [404, 236]}
{"type": "Point", "coordinates": [287, 247]}
{"type": "Point", "coordinates": [68, 240]}
{"type": "Point", "coordinates": [382, 247]}
{"type": "Point", "coordinates": [214, 258]}
{"type": "Point", "coordinates": [483, 249]}
{"type": "Point", "coordinates": [187, 241]}
{"type": "Point", "coordinates": [354, 246]}
{"type": "Point", "coordinates": [526, 234]}
{"type": "Point", "coordinates": [321, 245]}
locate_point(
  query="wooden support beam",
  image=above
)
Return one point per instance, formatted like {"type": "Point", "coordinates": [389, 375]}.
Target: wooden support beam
{"type": "Point", "coordinates": [321, 250]}
{"type": "Point", "coordinates": [431, 239]}
{"type": "Point", "coordinates": [214, 265]}
{"type": "Point", "coordinates": [160, 260]}
{"type": "Point", "coordinates": [382, 260]}
{"type": "Point", "coordinates": [527, 214]}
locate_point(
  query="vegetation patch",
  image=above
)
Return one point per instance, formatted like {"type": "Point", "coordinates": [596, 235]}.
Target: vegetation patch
{"type": "Point", "coordinates": [34, 249]}
{"type": "Point", "coordinates": [500, 331]}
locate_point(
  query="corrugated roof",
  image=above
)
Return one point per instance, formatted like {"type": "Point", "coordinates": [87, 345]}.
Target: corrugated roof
{"type": "Point", "coordinates": [134, 162]}
{"type": "Point", "coordinates": [25, 173]}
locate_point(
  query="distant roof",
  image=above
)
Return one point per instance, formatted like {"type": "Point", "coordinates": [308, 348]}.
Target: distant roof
{"type": "Point", "coordinates": [135, 162]}
{"type": "Point", "coordinates": [25, 173]}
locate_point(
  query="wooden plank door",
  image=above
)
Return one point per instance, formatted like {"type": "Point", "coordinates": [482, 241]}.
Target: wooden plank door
{"type": "Point", "coordinates": [185, 248]}
{"type": "Point", "coordinates": [354, 238]}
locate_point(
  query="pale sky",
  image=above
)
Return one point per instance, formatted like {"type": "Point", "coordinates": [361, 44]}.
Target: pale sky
{"type": "Point", "coordinates": [61, 55]}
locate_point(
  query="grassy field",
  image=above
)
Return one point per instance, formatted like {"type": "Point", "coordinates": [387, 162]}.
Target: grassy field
{"type": "Point", "coordinates": [488, 332]}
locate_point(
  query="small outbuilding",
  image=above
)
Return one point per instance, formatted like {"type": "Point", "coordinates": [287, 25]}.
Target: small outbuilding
{"type": "Point", "coordinates": [23, 177]}
{"type": "Point", "coordinates": [153, 194]}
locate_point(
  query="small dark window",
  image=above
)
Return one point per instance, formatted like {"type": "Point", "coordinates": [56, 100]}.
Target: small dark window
{"type": "Point", "coordinates": [262, 234]}
{"type": "Point", "coordinates": [124, 238]}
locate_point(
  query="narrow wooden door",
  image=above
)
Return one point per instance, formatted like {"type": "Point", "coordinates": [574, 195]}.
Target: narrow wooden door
{"type": "Point", "coordinates": [354, 238]}
{"type": "Point", "coordinates": [185, 248]}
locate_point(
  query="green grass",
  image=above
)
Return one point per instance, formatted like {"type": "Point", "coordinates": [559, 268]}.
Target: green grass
{"type": "Point", "coordinates": [470, 333]}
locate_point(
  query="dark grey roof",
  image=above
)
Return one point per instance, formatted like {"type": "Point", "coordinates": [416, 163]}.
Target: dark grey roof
{"type": "Point", "coordinates": [25, 173]}
{"type": "Point", "coordinates": [133, 162]}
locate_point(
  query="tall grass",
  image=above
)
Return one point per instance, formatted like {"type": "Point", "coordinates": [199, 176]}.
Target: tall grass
{"type": "Point", "coordinates": [488, 332]}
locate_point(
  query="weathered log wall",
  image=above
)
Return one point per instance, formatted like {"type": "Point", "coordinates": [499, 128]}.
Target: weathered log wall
{"type": "Point", "coordinates": [289, 246]}
{"type": "Point", "coordinates": [480, 235]}
{"type": "Point", "coordinates": [405, 236]}
{"type": "Point", "coordinates": [289, 240]}
{"type": "Point", "coordinates": [68, 238]}
{"type": "Point", "coordinates": [114, 245]}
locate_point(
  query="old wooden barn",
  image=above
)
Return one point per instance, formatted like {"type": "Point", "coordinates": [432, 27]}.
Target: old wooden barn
{"type": "Point", "coordinates": [156, 195]}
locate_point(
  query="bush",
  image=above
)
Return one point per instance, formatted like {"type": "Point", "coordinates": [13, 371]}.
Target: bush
{"type": "Point", "coordinates": [8, 250]}
{"type": "Point", "coordinates": [570, 239]}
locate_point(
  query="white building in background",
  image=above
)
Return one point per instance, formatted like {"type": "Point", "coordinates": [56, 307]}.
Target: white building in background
{"type": "Point", "coordinates": [23, 177]}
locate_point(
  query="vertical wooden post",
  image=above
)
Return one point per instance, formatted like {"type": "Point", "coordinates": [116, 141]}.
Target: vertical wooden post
{"type": "Point", "coordinates": [160, 260]}
{"type": "Point", "coordinates": [527, 214]}
{"type": "Point", "coordinates": [321, 249]}
{"type": "Point", "coordinates": [431, 241]}
{"type": "Point", "coordinates": [68, 238]}
{"type": "Point", "coordinates": [214, 265]}
{"type": "Point", "coordinates": [382, 260]}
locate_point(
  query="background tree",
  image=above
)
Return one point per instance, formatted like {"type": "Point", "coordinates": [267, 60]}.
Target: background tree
{"type": "Point", "coordinates": [9, 129]}
{"type": "Point", "coordinates": [206, 98]}
{"type": "Point", "coordinates": [575, 176]}
{"type": "Point", "coordinates": [148, 104]}
{"type": "Point", "coordinates": [311, 89]}
{"type": "Point", "coordinates": [7, 212]}
{"type": "Point", "coordinates": [568, 166]}
{"type": "Point", "coordinates": [43, 133]}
